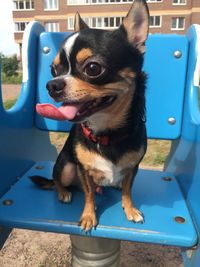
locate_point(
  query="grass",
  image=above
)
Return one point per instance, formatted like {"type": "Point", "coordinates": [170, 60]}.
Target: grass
{"type": "Point", "coordinates": [58, 139]}
{"type": "Point", "coordinates": [9, 103]}
{"type": "Point", "coordinates": [15, 79]}
{"type": "Point", "coordinates": [157, 151]}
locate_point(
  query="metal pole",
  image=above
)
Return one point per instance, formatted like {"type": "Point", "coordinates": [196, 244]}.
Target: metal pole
{"type": "Point", "coordinates": [95, 252]}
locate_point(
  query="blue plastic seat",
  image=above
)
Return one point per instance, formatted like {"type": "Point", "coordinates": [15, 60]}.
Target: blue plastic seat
{"type": "Point", "coordinates": [169, 199]}
{"type": "Point", "coordinates": [33, 208]}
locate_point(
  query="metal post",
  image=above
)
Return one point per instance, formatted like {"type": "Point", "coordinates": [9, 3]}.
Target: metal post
{"type": "Point", "coordinates": [95, 252]}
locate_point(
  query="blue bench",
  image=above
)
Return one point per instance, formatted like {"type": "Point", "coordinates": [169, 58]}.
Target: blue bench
{"type": "Point", "coordinates": [169, 199]}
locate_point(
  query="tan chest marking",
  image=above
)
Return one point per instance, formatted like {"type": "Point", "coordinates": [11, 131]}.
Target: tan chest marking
{"type": "Point", "coordinates": [102, 170]}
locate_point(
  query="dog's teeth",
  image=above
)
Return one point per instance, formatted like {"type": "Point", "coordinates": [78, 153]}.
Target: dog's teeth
{"type": "Point", "coordinates": [78, 113]}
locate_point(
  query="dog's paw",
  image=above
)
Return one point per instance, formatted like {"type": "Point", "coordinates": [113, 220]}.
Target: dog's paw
{"type": "Point", "coordinates": [88, 221]}
{"type": "Point", "coordinates": [134, 215]}
{"type": "Point", "coordinates": [65, 196]}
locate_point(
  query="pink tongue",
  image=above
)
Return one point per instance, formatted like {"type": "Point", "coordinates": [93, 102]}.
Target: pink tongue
{"type": "Point", "coordinates": [61, 114]}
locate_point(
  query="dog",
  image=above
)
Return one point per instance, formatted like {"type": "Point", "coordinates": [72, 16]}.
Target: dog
{"type": "Point", "coordinates": [98, 78]}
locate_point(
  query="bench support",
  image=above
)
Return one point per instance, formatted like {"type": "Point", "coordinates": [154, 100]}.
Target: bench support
{"type": "Point", "coordinates": [98, 252]}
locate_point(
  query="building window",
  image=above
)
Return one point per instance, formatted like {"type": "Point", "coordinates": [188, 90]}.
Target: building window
{"type": "Point", "coordinates": [178, 23]}
{"type": "Point", "coordinates": [50, 4]}
{"type": "Point", "coordinates": [93, 2]}
{"type": "Point", "coordinates": [155, 21]}
{"type": "Point", "coordinates": [98, 22]}
{"type": "Point", "coordinates": [51, 26]}
{"type": "Point", "coordinates": [20, 26]}
{"type": "Point", "coordinates": [70, 23]}
{"type": "Point", "coordinates": [179, 2]}
{"type": "Point", "coordinates": [79, 2]}
{"type": "Point", "coordinates": [23, 5]}
{"type": "Point", "coordinates": [154, 1]}
{"type": "Point", "coordinates": [82, 2]}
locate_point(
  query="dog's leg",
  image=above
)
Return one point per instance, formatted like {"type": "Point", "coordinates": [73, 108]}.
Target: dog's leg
{"type": "Point", "coordinates": [63, 194]}
{"type": "Point", "coordinates": [63, 178]}
{"type": "Point", "coordinates": [131, 212]}
{"type": "Point", "coordinates": [88, 217]}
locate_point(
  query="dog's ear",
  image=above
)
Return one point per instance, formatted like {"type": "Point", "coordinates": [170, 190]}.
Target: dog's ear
{"type": "Point", "coordinates": [136, 24]}
{"type": "Point", "coordinates": [79, 24]}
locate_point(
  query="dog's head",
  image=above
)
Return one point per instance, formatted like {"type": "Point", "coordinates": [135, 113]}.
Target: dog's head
{"type": "Point", "coordinates": [94, 70]}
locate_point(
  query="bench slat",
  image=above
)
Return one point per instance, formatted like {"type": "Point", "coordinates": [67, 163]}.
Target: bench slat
{"type": "Point", "coordinates": [166, 84]}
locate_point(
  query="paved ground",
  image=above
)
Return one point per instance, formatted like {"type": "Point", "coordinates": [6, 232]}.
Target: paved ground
{"type": "Point", "coordinates": [38, 249]}
{"type": "Point", "coordinates": [10, 91]}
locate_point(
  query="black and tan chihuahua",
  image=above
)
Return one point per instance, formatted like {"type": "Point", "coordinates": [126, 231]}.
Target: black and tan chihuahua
{"type": "Point", "coordinates": [99, 79]}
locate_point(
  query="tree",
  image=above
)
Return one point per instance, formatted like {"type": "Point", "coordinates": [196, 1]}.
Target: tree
{"type": "Point", "coordinates": [9, 65]}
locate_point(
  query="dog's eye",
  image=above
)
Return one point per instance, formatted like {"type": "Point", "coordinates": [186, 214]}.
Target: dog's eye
{"type": "Point", "coordinates": [93, 69]}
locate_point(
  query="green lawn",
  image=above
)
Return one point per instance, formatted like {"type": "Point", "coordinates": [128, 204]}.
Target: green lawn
{"type": "Point", "coordinates": [157, 151]}
{"type": "Point", "coordinates": [9, 103]}
{"type": "Point", "coordinates": [15, 79]}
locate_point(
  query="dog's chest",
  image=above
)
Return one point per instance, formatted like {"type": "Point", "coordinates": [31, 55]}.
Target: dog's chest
{"type": "Point", "coordinates": [104, 172]}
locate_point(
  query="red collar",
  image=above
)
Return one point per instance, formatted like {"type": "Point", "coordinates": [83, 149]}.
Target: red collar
{"type": "Point", "coordinates": [102, 140]}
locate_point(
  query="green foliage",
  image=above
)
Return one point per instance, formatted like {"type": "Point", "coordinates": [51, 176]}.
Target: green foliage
{"type": "Point", "coordinates": [9, 65]}
{"type": "Point", "coordinates": [159, 159]}
{"type": "Point", "coordinates": [15, 79]}
{"type": "Point", "coordinates": [9, 103]}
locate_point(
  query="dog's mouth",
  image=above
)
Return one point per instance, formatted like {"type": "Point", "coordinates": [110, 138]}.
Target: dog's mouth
{"type": "Point", "coordinates": [75, 111]}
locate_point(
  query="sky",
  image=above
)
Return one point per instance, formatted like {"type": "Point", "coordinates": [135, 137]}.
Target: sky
{"type": "Point", "coordinates": [7, 43]}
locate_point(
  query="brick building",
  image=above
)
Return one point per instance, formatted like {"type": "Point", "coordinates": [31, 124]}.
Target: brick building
{"type": "Point", "coordinates": [167, 16]}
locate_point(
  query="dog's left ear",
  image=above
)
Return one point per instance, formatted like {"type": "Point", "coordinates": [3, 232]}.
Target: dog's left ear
{"type": "Point", "coordinates": [79, 24]}
{"type": "Point", "coordinates": [136, 24]}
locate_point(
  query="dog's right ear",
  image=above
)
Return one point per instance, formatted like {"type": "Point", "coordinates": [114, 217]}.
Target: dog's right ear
{"type": "Point", "coordinates": [136, 24]}
{"type": "Point", "coordinates": [79, 23]}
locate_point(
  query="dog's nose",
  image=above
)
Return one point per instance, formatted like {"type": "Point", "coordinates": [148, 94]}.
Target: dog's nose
{"type": "Point", "coordinates": [56, 85]}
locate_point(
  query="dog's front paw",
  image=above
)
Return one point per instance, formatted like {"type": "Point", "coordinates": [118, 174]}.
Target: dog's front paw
{"type": "Point", "coordinates": [134, 215]}
{"type": "Point", "coordinates": [88, 221]}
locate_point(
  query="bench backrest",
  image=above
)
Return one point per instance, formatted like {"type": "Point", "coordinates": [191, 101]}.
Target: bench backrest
{"type": "Point", "coordinates": [166, 67]}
